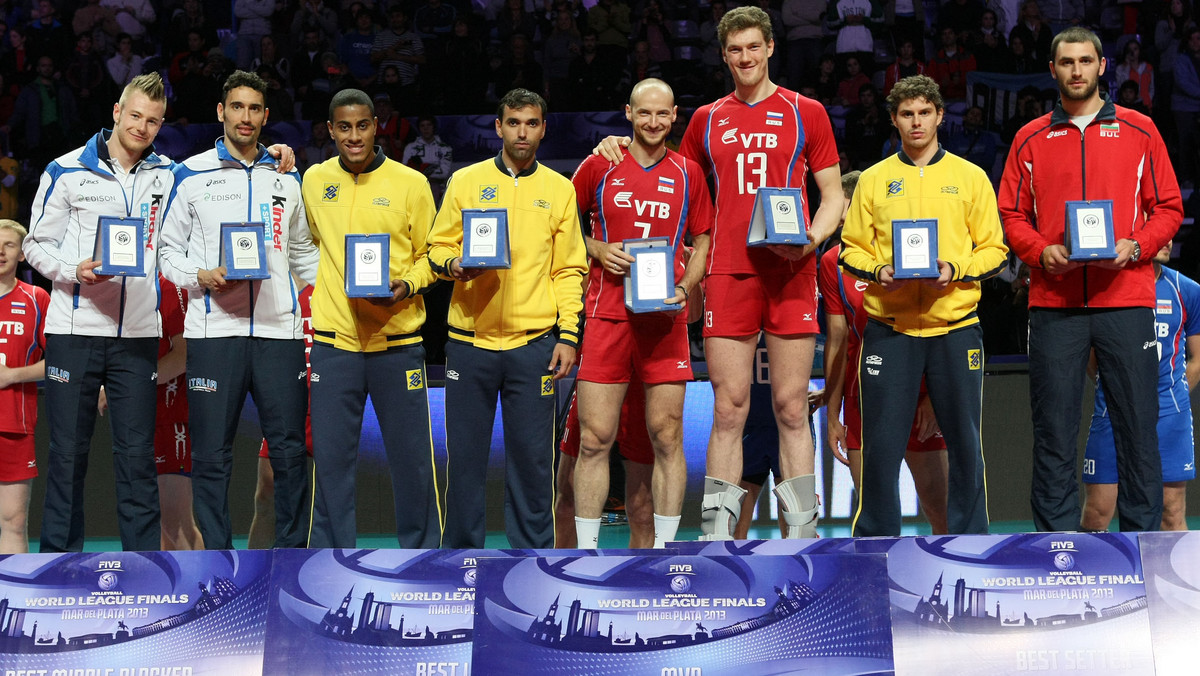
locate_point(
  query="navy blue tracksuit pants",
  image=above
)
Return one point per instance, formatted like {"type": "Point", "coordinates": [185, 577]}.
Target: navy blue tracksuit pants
{"type": "Point", "coordinates": [889, 378]}
{"type": "Point", "coordinates": [395, 379]}
{"type": "Point", "coordinates": [474, 378]}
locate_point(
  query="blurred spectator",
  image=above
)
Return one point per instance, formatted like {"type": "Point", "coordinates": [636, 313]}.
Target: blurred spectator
{"type": "Point", "coordinates": [988, 45]}
{"type": "Point", "coordinates": [1132, 67]}
{"type": "Point", "coordinates": [393, 132]}
{"type": "Point", "coordinates": [254, 21]}
{"type": "Point", "coordinates": [905, 65]}
{"type": "Point", "coordinates": [354, 49]}
{"type": "Point", "coordinates": [195, 87]}
{"type": "Point", "coordinates": [45, 120]}
{"type": "Point", "coordinates": [465, 80]}
{"type": "Point", "coordinates": [190, 17]}
{"type": "Point", "coordinates": [591, 77]}
{"type": "Point", "coordinates": [562, 44]}
{"type": "Point", "coordinates": [825, 81]}
{"type": "Point", "coordinates": [12, 13]}
{"type": "Point", "coordinates": [1034, 32]}
{"type": "Point", "coordinates": [319, 148]}
{"type": "Point", "coordinates": [709, 44]}
{"type": "Point", "coordinates": [278, 100]}
{"type": "Point", "coordinates": [803, 21]}
{"type": "Point", "coordinates": [306, 65]}
{"type": "Point", "coordinates": [640, 67]}
{"type": "Point", "coordinates": [517, 68]}
{"type": "Point", "coordinates": [1019, 61]}
{"type": "Point", "coordinates": [435, 19]}
{"type": "Point", "coordinates": [610, 19]}
{"type": "Point", "coordinates": [849, 86]}
{"type": "Point", "coordinates": [950, 67]}
{"type": "Point", "coordinates": [400, 47]}
{"type": "Point", "coordinates": [867, 127]}
{"type": "Point", "coordinates": [133, 16]}
{"type": "Point", "coordinates": [8, 96]}
{"type": "Point", "coordinates": [513, 19]}
{"type": "Point", "coordinates": [85, 75]}
{"type": "Point", "coordinates": [1029, 108]}
{"type": "Point", "coordinates": [961, 15]}
{"type": "Point", "coordinates": [99, 21]}
{"type": "Point", "coordinates": [1168, 35]}
{"type": "Point", "coordinates": [316, 14]}
{"type": "Point", "coordinates": [18, 63]}
{"type": "Point", "coordinates": [1130, 96]}
{"type": "Point", "coordinates": [179, 63]}
{"type": "Point", "coordinates": [678, 127]}
{"type": "Point", "coordinates": [974, 142]}
{"type": "Point", "coordinates": [1185, 103]}
{"type": "Point", "coordinates": [430, 155]}
{"type": "Point", "coordinates": [652, 28]}
{"type": "Point", "coordinates": [331, 77]}
{"type": "Point", "coordinates": [853, 21]}
{"type": "Point", "coordinates": [125, 64]}
{"type": "Point", "coordinates": [905, 20]}
{"type": "Point", "coordinates": [1062, 14]}
{"type": "Point", "coordinates": [268, 55]}
{"type": "Point", "coordinates": [46, 36]}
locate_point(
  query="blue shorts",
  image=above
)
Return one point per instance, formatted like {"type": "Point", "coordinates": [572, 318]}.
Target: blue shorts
{"type": "Point", "coordinates": [1174, 444]}
{"type": "Point", "coordinates": [760, 453]}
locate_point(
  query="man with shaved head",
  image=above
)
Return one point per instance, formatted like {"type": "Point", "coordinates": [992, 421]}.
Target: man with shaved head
{"type": "Point", "coordinates": [651, 192]}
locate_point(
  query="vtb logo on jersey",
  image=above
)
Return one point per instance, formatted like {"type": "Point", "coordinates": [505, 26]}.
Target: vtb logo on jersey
{"type": "Point", "coordinates": [331, 192]}
{"type": "Point", "coordinates": [751, 140]}
{"type": "Point", "coordinates": [489, 193]}
{"type": "Point", "coordinates": [547, 386]}
{"type": "Point", "coordinates": [416, 380]}
{"type": "Point", "coordinates": [150, 212]}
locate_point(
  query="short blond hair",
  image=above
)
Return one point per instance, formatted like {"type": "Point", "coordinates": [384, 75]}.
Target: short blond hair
{"type": "Point", "coordinates": [9, 224]}
{"type": "Point", "coordinates": [150, 84]}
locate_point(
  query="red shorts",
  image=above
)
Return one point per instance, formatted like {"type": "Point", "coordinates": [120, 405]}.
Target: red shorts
{"type": "Point", "coordinates": [633, 441]}
{"type": "Point", "coordinates": [18, 461]}
{"type": "Point", "coordinates": [173, 449]}
{"type": "Point", "coordinates": [853, 422]}
{"type": "Point", "coordinates": [742, 305]}
{"type": "Point", "coordinates": [650, 349]}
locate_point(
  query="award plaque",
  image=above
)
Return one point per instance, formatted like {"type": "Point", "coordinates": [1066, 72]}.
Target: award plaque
{"type": "Point", "coordinates": [651, 278]}
{"type": "Point", "coordinates": [1089, 231]}
{"type": "Point", "coordinates": [367, 266]}
{"type": "Point", "coordinates": [778, 218]}
{"type": "Point", "coordinates": [119, 247]}
{"type": "Point", "coordinates": [915, 248]}
{"type": "Point", "coordinates": [485, 239]}
{"type": "Point", "coordinates": [243, 251]}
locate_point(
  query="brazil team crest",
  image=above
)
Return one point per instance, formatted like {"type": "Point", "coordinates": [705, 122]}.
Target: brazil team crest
{"type": "Point", "coordinates": [895, 187]}
{"type": "Point", "coordinates": [489, 193]}
{"type": "Point", "coordinates": [330, 193]}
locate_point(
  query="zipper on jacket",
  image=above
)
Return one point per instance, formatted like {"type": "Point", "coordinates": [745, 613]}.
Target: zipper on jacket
{"type": "Point", "coordinates": [249, 209]}
{"type": "Point", "coordinates": [1083, 174]}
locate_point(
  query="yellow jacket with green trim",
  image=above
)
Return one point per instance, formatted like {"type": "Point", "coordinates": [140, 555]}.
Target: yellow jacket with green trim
{"type": "Point", "coordinates": [387, 197]}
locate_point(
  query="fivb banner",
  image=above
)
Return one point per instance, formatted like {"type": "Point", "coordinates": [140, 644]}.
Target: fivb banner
{"type": "Point", "coordinates": [1002, 604]}
{"type": "Point", "coordinates": [1171, 562]}
{"type": "Point", "coordinates": [133, 613]}
{"type": "Point", "coordinates": [385, 611]}
{"type": "Point", "coordinates": [682, 615]}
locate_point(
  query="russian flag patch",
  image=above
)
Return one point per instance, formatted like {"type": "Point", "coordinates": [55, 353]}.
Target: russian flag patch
{"type": "Point", "coordinates": [18, 307]}
{"type": "Point", "coordinates": [666, 185]}
{"type": "Point", "coordinates": [774, 119]}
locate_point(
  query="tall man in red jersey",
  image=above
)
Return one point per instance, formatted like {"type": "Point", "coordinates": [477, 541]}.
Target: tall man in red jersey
{"type": "Point", "coordinates": [651, 192]}
{"type": "Point", "coordinates": [761, 135]}
{"type": "Point", "coordinates": [1089, 149]}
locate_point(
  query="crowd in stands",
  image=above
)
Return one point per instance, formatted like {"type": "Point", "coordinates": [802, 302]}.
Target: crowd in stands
{"type": "Point", "coordinates": [63, 61]}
